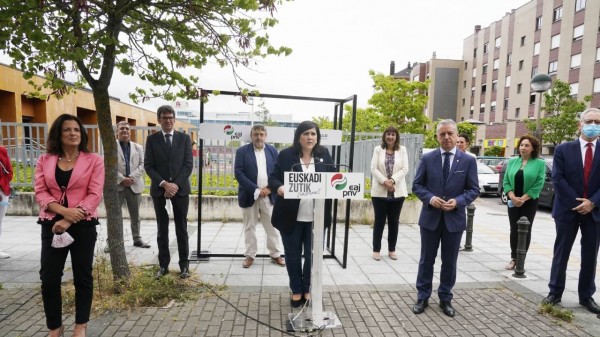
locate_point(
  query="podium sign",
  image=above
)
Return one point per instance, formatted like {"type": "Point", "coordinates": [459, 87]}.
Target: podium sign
{"type": "Point", "coordinates": [324, 185]}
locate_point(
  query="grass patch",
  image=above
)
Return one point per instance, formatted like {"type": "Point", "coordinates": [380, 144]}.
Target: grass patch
{"type": "Point", "coordinates": [562, 314]}
{"type": "Point", "coordinates": [143, 289]}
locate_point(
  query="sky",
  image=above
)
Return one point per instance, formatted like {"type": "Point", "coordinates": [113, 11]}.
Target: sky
{"type": "Point", "coordinates": [336, 42]}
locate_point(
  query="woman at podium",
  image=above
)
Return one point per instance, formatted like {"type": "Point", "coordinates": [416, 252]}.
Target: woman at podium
{"type": "Point", "coordinates": [294, 217]}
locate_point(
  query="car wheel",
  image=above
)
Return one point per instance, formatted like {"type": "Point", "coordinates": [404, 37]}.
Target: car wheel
{"type": "Point", "coordinates": [503, 197]}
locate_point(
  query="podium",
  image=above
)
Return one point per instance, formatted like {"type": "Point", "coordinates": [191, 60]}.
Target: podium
{"type": "Point", "coordinates": [319, 186]}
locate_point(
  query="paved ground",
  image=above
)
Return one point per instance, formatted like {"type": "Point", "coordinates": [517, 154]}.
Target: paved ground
{"type": "Point", "coordinates": [370, 298]}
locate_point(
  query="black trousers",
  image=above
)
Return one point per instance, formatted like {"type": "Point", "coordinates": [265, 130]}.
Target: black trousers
{"type": "Point", "coordinates": [386, 209]}
{"type": "Point", "coordinates": [528, 210]}
{"type": "Point", "coordinates": [180, 211]}
{"type": "Point", "coordinates": [53, 265]}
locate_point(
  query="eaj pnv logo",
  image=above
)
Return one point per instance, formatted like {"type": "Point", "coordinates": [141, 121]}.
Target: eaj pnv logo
{"type": "Point", "coordinates": [338, 181]}
{"type": "Point", "coordinates": [230, 131]}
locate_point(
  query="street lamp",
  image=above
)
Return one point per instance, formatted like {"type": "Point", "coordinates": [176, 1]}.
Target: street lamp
{"type": "Point", "coordinates": [540, 83]}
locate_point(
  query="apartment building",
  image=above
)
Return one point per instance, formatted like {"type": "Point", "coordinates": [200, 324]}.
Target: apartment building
{"type": "Point", "coordinates": [556, 37]}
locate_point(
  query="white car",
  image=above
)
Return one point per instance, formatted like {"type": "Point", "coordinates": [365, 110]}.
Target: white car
{"type": "Point", "coordinates": [488, 180]}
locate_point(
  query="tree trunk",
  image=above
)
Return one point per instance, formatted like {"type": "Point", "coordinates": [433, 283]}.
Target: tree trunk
{"type": "Point", "coordinates": [114, 217]}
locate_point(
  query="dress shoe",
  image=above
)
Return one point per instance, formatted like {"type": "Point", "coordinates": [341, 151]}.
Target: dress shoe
{"type": "Point", "coordinates": [551, 300]}
{"type": "Point", "coordinates": [419, 307]}
{"type": "Point", "coordinates": [511, 265]}
{"type": "Point", "coordinates": [296, 303]}
{"type": "Point", "coordinates": [4, 255]}
{"type": "Point", "coordinates": [376, 256]}
{"type": "Point", "coordinates": [162, 272]}
{"type": "Point", "coordinates": [393, 255]}
{"type": "Point", "coordinates": [278, 261]}
{"type": "Point", "coordinates": [60, 332]}
{"type": "Point", "coordinates": [141, 244]}
{"type": "Point", "coordinates": [447, 308]}
{"type": "Point", "coordinates": [185, 273]}
{"type": "Point", "coordinates": [248, 262]}
{"type": "Point", "coordinates": [590, 305]}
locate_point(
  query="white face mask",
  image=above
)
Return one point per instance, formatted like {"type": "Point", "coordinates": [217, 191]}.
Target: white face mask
{"type": "Point", "coordinates": [62, 240]}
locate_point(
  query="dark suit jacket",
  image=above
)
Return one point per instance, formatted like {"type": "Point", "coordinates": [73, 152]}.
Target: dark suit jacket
{"type": "Point", "coordinates": [462, 185]}
{"type": "Point", "coordinates": [246, 172]}
{"type": "Point", "coordinates": [285, 211]}
{"type": "Point", "coordinates": [174, 166]}
{"type": "Point", "coordinates": [567, 177]}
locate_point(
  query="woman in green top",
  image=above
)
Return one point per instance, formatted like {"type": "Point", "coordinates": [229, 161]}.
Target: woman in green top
{"type": "Point", "coordinates": [523, 182]}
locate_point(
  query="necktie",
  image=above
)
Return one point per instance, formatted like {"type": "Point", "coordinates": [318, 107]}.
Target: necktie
{"type": "Point", "coordinates": [168, 135]}
{"type": "Point", "coordinates": [587, 168]}
{"type": "Point", "coordinates": [125, 148]}
{"type": "Point", "coordinates": [446, 167]}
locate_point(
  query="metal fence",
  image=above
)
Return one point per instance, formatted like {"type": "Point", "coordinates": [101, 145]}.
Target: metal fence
{"type": "Point", "coordinates": [25, 142]}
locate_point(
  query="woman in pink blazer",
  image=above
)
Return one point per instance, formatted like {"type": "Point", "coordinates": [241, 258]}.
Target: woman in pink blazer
{"type": "Point", "coordinates": [68, 189]}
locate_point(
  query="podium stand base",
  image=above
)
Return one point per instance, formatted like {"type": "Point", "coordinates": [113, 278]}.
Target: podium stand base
{"type": "Point", "coordinates": [305, 322]}
{"type": "Point", "coordinates": [202, 258]}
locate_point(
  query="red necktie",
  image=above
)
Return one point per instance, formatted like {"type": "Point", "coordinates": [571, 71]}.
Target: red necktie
{"type": "Point", "coordinates": [587, 168]}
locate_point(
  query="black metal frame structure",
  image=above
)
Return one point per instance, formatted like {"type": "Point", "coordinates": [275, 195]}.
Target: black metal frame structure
{"type": "Point", "coordinates": [338, 114]}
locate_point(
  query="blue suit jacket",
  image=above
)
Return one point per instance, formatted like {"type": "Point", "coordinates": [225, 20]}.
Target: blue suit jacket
{"type": "Point", "coordinates": [462, 185]}
{"type": "Point", "coordinates": [567, 177]}
{"type": "Point", "coordinates": [246, 173]}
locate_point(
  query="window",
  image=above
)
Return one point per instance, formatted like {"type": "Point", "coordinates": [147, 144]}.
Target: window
{"type": "Point", "coordinates": [574, 89]}
{"type": "Point", "coordinates": [482, 108]}
{"type": "Point", "coordinates": [472, 91]}
{"type": "Point", "coordinates": [521, 64]}
{"type": "Point", "coordinates": [557, 14]}
{"type": "Point", "coordinates": [552, 67]}
{"type": "Point", "coordinates": [463, 102]}
{"type": "Point", "coordinates": [485, 48]}
{"type": "Point", "coordinates": [519, 86]}
{"type": "Point", "coordinates": [493, 106]}
{"type": "Point", "coordinates": [579, 5]}
{"type": "Point", "coordinates": [532, 98]}
{"type": "Point", "coordinates": [471, 112]}
{"type": "Point", "coordinates": [484, 69]}
{"type": "Point", "coordinates": [555, 41]}
{"type": "Point", "coordinates": [522, 41]}
{"type": "Point", "coordinates": [464, 84]}
{"type": "Point", "coordinates": [496, 64]}
{"type": "Point", "coordinates": [474, 72]}
{"type": "Point", "coordinates": [498, 42]}
{"type": "Point", "coordinates": [536, 48]}
{"type": "Point", "coordinates": [534, 71]}
{"type": "Point", "coordinates": [597, 54]}
{"type": "Point", "coordinates": [466, 65]}
{"type": "Point", "coordinates": [578, 33]}
{"type": "Point", "coordinates": [517, 112]}
{"type": "Point", "coordinates": [538, 23]}
{"type": "Point", "coordinates": [483, 88]}
{"type": "Point", "coordinates": [508, 59]}
{"type": "Point", "coordinates": [494, 85]}
{"type": "Point", "coordinates": [474, 52]}
{"type": "Point", "coordinates": [597, 84]}
{"type": "Point", "coordinates": [507, 81]}
{"type": "Point", "coordinates": [505, 106]}
{"type": "Point", "coordinates": [575, 61]}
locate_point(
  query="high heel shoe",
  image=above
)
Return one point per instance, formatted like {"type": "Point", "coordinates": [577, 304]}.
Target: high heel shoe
{"type": "Point", "coordinates": [80, 330]}
{"type": "Point", "coordinates": [295, 303]}
{"type": "Point", "coordinates": [59, 332]}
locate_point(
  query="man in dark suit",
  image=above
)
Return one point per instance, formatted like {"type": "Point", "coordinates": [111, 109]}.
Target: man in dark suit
{"type": "Point", "coordinates": [446, 182]}
{"type": "Point", "coordinates": [254, 163]}
{"type": "Point", "coordinates": [576, 194]}
{"type": "Point", "coordinates": [168, 162]}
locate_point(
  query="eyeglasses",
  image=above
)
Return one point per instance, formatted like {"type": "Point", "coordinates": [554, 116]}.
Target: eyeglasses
{"type": "Point", "coordinates": [168, 118]}
{"type": "Point", "coordinates": [591, 121]}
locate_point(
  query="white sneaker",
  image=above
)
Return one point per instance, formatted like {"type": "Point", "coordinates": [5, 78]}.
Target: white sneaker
{"type": "Point", "coordinates": [3, 255]}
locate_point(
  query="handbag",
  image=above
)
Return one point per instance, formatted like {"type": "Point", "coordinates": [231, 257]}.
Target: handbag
{"type": "Point", "coordinates": [13, 191]}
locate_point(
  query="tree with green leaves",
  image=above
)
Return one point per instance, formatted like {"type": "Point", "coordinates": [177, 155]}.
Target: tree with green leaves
{"type": "Point", "coordinates": [156, 41]}
{"type": "Point", "coordinates": [264, 115]}
{"type": "Point", "coordinates": [561, 114]}
{"type": "Point", "coordinates": [399, 102]}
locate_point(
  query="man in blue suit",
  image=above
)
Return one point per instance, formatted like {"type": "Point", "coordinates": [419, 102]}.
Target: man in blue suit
{"type": "Point", "coordinates": [254, 163]}
{"type": "Point", "coordinates": [576, 194]}
{"type": "Point", "coordinates": [446, 182]}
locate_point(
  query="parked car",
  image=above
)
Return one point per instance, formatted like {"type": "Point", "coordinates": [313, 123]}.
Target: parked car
{"type": "Point", "coordinates": [547, 193]}
{"type": "Point", "coordinates": [492, 162]}
{"type": "Point", "coordinates": [488, 180]}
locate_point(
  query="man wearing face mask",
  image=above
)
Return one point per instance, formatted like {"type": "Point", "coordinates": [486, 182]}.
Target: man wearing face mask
{"type": "Point", "coordinates": [577, 192]}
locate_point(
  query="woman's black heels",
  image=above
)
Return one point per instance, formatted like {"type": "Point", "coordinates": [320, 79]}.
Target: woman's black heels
{"type": "Point", "coordinates": [296, 303]}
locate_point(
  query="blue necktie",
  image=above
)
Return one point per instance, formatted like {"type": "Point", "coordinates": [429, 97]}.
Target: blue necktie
{"type": "Point", "coordinates": [446, 167]}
